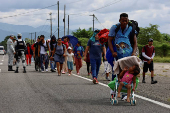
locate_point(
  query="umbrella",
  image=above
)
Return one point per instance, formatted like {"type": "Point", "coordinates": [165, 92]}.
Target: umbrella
{"type": "Point", "coordinates": [72, 39]}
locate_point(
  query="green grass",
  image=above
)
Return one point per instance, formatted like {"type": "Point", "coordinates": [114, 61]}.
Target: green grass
{"type": "Point", "coordinates": [161, 59]}
{"type": "Point", "coordinates": [168, 99]}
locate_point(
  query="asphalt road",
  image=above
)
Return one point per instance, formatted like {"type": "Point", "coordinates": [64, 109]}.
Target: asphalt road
{"type": "Point", "coordinates": [36, 92]}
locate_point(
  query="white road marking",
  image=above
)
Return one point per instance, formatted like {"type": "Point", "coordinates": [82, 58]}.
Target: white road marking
{"type": "Point", "coordinates": [0, 70]}
{"type": "Point", "coordinates": [138, 96]}
{"type": "Point", "coordinates": [1, 63]}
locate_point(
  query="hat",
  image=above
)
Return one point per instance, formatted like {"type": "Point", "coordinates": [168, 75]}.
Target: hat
{"type": "Point", "coordinates": [69, 48]}
{"type": "Point", "coordinates": [97, 31]}
{"type": "Point", "coordinates": [150, 40]}
{"type": "Point", "coordinates": [19, 34]}
{"type": "Point", "coordinates": [12, 35]}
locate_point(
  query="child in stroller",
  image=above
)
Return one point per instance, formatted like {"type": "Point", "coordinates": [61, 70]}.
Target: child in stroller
{"type": "Point", "coordinates": [132, 62]}
{"type": "Point", "coordinates": [125, 79]}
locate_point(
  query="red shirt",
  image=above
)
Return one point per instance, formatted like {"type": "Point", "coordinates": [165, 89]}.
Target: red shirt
{"type": "Point", "coordinates": [149, 50]}
{"type": "Point", "coordinates": [28, 48]}
{"type": "Point", "coordinates": [66, 44]}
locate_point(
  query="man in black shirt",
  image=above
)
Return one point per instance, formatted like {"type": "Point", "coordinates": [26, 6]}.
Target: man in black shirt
{"type": "Point", "coordinates": [36, 58]}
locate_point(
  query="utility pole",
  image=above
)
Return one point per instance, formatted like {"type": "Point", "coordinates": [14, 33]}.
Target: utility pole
{"type": "Point", "coordinates": [93, 21]}
{"type": "Point", "coordinates": [50, 22]}
{"type": "Point", "coordinates": [31, 37]}
{"type": "Point", "coordinates": [68, 25]}
{"type": "Point", "coordinates": [64, 18]}
{"type": "Point", "coordinates": [58, 18]}
{"type": "Point", "coordinates": [35, 37]}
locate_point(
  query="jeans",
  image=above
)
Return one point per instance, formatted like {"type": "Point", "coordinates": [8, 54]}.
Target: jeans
{"type": "Point", "coordinates": [44, 60]}
{"type": "Point", "coordinates": [95, 66]}
{"type": "Point", "coordinates": [53, 64]}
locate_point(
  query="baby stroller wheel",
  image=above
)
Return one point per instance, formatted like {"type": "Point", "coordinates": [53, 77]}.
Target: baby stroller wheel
{"type": "Point", "coordinates": [131, 102]}
{"type": "Point", "coordinates": [112, 101]}
{"type": "Point", "coordinates": [115, 101]}
{"type": "Point", "coordinates": [110, 98]}
{"type": "Point", "coordinates": [134, 102]}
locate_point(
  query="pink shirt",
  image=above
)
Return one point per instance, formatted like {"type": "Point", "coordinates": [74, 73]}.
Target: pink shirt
{"type": "Point", "coordinates": [127, 78]}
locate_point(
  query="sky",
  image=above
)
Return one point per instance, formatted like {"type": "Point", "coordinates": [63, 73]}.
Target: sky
{"type": "Point", "coordinates": [107, 12]}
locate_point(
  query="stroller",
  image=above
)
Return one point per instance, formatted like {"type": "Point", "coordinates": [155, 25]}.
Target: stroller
{"type": "Point", "coordinates": [118, 66]}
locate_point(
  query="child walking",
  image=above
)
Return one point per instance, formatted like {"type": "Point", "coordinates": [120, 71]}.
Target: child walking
{"type": "Point", "coordinates": [126, 77]}
{"type": "Point", "coordinates": [70, 60]}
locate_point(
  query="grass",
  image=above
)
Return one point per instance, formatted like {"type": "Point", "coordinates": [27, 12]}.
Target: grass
{"type": "Point", "coordinates": [161, 59]}
{"type": "Point", "coordinates": [168, 99]}
{"type": "Point", "coordinates": [164, 71]}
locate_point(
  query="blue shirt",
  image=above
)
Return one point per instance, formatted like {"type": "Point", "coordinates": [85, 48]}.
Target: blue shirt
{"type": "Point", "coordinates": [78, 51]}
{"type": "Point", "coordinates": [96, 49]}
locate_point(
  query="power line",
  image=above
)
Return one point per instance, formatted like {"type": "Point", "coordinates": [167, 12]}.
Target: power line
{"type": "Point", "coordinates": [28, 12]}
{"type": "Point", "coordinates": [99, 22]}
{"type": "Point", "coordinates": [109, 4]}
{"type": "Point", "coordinates": [74, 2]}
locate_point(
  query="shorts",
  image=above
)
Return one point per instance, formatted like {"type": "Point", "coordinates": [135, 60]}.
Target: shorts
{"type": "Point", "coordinates": [146, 66]}
{"type": "Point", "coordinates": [70, 65]}
{"type": "Point", "coordinates": [59, 58]}
{"type": "Point", "coordinates": [107, 67]}
{"type": "Point", "coordinates": [125, 83]}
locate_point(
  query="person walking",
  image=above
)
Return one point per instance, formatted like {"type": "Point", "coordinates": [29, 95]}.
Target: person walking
{"type": "Point", "coordinates": [29, 54]}
{"type": "Point", "coordinates": [59, 54]}
{"type": "Point", "coordinates": [36, 58]}
{"type": "Point", "coordinates": [107, 66]}
{"type": "Point", "coordinates": [43, 47]}
{"type": "Point", "coordinates": [52, 45]}
{"type": "Point", "coordinates": [65, 42]}
{"type": "Point", "coordinates": [148, 52]}
{"type": "Point", "coordinates": [11, 52]}
{"type": "Point", "coordinates": [20, 47]}
{"type": "Point", "coordinates": [70, 60]}
{"type": "Point", "coordinates": [96, 50]}
{"type": "Point", "coordinates": [79, 53]}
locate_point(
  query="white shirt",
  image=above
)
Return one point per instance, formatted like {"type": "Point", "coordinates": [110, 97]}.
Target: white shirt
{"type": "Point", "coordinates": [42, 49]}
{"type": "Point", "coordinates": [70, 57]}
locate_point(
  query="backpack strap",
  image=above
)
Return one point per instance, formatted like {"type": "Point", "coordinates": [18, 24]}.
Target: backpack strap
{"type": "Point", "coordinates": [117, 29]}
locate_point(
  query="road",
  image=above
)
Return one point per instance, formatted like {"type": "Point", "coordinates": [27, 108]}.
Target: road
{"type": "Point", "coordinates": [36, 92]}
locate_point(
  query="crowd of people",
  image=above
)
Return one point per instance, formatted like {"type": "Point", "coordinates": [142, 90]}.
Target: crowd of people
{"type": "Point", "coordinates": [62, 56]}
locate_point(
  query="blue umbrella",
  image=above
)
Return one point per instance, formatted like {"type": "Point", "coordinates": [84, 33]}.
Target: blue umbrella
{"type": "Point", "coordinates": [72, 39]}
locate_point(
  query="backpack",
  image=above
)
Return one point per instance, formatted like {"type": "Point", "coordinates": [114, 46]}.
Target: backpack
{"type": "Point", "coordinates": [141, 56]}
{"type": "Point", "coordinates": [63, 47]}
{"type": "Point", "coordinates": [45, 47]}
{"type": "Point", "coordinates": [134, 25]}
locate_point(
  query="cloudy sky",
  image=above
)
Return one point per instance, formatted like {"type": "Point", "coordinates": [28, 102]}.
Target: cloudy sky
{"type": "Point", "coordinates": [106, 11]}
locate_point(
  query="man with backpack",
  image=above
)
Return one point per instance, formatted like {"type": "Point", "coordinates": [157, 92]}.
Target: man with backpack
{"type": "Point", "coordinates": [148, 53]}
{"type": "Point", "coordinates": [43, 47]}
{"type": "Point", "coordinates": [122, 39]}
{"type": "Point", "coordinates": [20, 48]}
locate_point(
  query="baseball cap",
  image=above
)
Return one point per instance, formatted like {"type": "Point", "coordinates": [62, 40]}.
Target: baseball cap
{"type": "Point", "coordinates": [97, 31]}
{"type": "Point", "coordinates": [69, 48]}
{"type": "Point", "coordinates": [12, 35]}
{"type": "Point", "coordinates": [19, 34]}
{"type": "Point", "coordinates": [150, 40]}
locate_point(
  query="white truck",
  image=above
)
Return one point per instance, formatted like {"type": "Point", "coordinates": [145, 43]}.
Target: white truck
{"type": "Point", "coordinates": [2, 51]}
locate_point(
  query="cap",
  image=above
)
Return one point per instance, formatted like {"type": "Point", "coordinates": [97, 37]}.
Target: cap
{"type": "Point", "coordinates": [12, 35]}
{"type": "Point", "coordinates": [97, 31]}
{"type": "Point", "coordinates": [69, 48]}
{"type": "Point", "coordinates": [150, 40]}
{"type": "Point", "coordinates": [19, 34]}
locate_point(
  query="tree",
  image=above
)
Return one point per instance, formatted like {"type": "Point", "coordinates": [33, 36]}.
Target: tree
{"type": "Point", "coordinates": [83, 33]}
{"type": "Point", "coordinates": [149, 32]}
